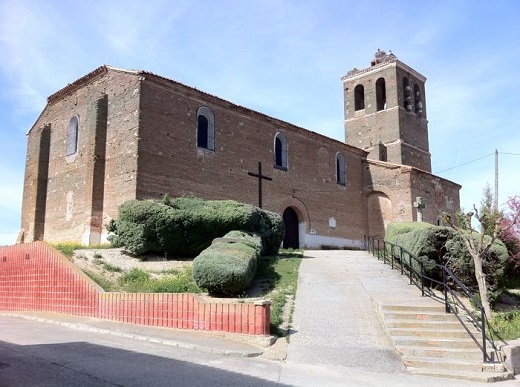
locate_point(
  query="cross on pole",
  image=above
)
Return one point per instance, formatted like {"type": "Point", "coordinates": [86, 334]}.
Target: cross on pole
{"type": "Point", "coordinates": [260, 178]}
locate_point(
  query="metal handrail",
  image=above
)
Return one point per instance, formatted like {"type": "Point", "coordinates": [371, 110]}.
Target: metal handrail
{"type": "Point", "coordinates": [411, 266]}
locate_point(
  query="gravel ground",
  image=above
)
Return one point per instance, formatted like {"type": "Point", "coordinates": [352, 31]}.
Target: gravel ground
{"type": "Point", "coordinates": [112, 263]}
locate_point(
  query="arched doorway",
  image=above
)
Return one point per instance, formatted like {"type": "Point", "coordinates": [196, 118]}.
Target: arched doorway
{"type": "Point", "coordinates": [292, 235]}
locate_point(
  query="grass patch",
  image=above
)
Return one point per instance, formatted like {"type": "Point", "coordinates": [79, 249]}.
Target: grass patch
{"type": "Point", "coordinates": [106, 285]}
{"type": "Point", "coordinates": [281, 273]}
{"type": "Point", "coordinates": [506, 324]}
{"type": "Point", "coordinates": [140, 281]}
{"type": "Point", "coordinates": [112, 268]}
{"type": "Point", "coordinates": [67, 248]}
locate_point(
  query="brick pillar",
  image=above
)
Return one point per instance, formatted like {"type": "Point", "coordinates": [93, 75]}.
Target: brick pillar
{"type": "Point", "coordinates": [40, 181]}
{"type": "Point", "coordinates": [97, 133]}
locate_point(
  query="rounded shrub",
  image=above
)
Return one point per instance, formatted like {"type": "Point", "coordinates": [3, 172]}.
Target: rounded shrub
{"type": "Point", "coordinates": [250, 239]}
{"type": "Point", "coordinates": [225, 269]}
{"type": "Point", "coordinates": [427, 243]}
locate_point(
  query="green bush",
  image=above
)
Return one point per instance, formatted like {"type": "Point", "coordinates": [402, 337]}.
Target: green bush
{"type": "Point", "coordinates": [442, 245]}
{"type": "Point", "coordinates": [186, 226]}
{"type": "Point", "coordinates": [248, 238]}
{"type": "Point", "coordinates": [134, 276]}
{"type": "Point", "coordinates": [225, 268]}
{"type": "Point", "coordinates": [494, 263]}
{"type": "Point", "coordinates": [395, 229]}
{"type": "Point", "coordinates": [181, 282]}
{"type": "Point", "coordinates": [506, 324]}
{"type": "Point", "coordinates": [427, 244]}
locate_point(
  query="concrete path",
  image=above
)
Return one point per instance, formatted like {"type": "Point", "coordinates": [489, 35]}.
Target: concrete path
{"type": "Point", "coordinates": [338, 336]}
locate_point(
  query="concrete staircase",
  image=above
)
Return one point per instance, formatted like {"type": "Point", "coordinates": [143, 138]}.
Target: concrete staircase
{"type": "Point", "coordinates": [434, 343]}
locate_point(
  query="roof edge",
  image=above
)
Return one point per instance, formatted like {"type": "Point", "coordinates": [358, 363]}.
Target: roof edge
{"type": "Point", "coordinates": [71, 87]}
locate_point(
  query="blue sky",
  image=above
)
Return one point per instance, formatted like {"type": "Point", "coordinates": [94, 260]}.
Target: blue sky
{"type": "Point", "coordinates": [283, 58]}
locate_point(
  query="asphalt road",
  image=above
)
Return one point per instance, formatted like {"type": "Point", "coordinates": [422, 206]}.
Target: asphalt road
{"type": "Point", "coordinates": [39, 354]}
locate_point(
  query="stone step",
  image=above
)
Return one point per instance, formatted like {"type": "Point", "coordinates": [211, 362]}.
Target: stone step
{"type": "Point", "coordinates": [472, 376]}
{"type": "Point", "coordinates": [444, 363]}
{"type": "Point", "coordinates": [439, 342]}
{"type": "Point", "coordinates": [425, 324]}
{"type": "Point", "coordinates": [440, 353]}
{"type": "Point", "coordinates": [432, 316]}
{"type": "Point", "coordinates": [429, 333]}
{"type": "Point", "coordinates": [420, 309]}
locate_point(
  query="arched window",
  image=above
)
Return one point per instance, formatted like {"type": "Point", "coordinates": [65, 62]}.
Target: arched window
{"type": "Point", "coordinates": [359, 97]}
{"type": "Point", "coordinates": [280, 151]}
{"type": "Point", "coordinates": [381, 94]}
{"type": "Point", "coordinates": [340, 169]}
{"type": "Point", "coordinates": [407, 95]}
{"type": "Point", "coordinates": [418, 100]}
{"type": "Point", "coordinates": [205, 128]}
{"type": "Point", "coordinates": [72, 136]}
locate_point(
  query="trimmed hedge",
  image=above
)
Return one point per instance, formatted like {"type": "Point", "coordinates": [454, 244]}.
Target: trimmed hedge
{"type": "Point", "coordinates": [186, 226]}
{"type": "Point", "coordinates": [395, 229]}
{"type": "Point", "coordinates": [248, 238]}
{"type": "Point", "coordinates": [427, 244]}
{"type": "Point", "coordinates": [442, 245]}
{"type": "Point", "coordinates": [226, 268]}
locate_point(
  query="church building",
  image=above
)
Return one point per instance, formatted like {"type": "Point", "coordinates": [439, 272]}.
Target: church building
{"type": "Point", "coordinates": [116, 134]}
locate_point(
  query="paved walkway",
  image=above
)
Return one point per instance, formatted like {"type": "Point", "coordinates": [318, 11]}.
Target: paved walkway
{"type": "Point", "coordinates": [338, 336]}
{"type": "Point", "coordinates": [335, 319]}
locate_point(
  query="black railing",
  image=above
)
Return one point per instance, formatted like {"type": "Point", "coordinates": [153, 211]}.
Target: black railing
{"type": "Point", "coordinates": [401, 259]}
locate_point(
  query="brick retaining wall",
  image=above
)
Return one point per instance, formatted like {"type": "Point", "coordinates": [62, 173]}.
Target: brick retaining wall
{"type": "Point", "coordinates": [37, 277]}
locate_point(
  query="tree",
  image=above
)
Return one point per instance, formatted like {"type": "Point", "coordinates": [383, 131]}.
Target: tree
{"type": "Point", "coordinates": [492, 224]}
{"type": "Point", "coordinates": [511, 236]}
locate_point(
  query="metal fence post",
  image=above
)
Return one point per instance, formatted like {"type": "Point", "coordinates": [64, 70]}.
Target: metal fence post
{"type": "Point", "coordinates": [422, 278]}
{"type": "Point", "coordinates": [445, 284]}
{"type": "Point", "coordinates": [410, 268]}
{"type": "Point", "coordinates": [483, 322]}
{"type": "Point", "coordinates": [401, 258]}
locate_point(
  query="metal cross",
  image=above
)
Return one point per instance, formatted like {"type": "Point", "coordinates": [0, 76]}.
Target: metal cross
{"type": "Point", "coordinates": [260, 178]}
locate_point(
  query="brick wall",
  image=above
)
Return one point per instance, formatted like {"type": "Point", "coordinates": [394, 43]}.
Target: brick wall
{"type": "Point", "coordinates": [36, 277]}
{"type": "Point", "coordinates": [392, 189]}
{"type": "Point", "coordinates": [170, 162]}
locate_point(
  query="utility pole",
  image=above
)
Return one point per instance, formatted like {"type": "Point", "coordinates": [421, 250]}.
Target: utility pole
{"type": "Point", "coordinates": [496, 180]}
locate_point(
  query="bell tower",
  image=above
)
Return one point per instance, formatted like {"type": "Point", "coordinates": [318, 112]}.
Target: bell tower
{"type": "Point", "coordinates": [385, 112]}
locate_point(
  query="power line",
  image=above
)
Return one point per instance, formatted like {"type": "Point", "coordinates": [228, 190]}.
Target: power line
{"type": "Point", "coordinates": [480, 158]}
{"type": "Point", "coordinates": [469, 162]}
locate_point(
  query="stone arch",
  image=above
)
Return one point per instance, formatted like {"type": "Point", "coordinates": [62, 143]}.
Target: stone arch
{"type": "Point", "coordinates": [379, 213]}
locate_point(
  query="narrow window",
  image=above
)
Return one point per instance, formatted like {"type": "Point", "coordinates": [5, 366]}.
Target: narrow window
{"type": "Point", "coordinates": [205, 128]}
{"type": "Point", "coordinates": [418, 100]}
{"type": "Point", "coordinates": [407, 95]}
{"type": "Point", "coordinates": [359, 97]}
{"type": "Point", "coordinates": [280, 151]}
{"type": "Point", "coordinates": [340, 169]}
{"type": "Point", "coordinates": [382, 152]}
{"type": "Point", "coordinates": [381, 94]}
{"type": "Point", "coordinates": [72, 136]}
